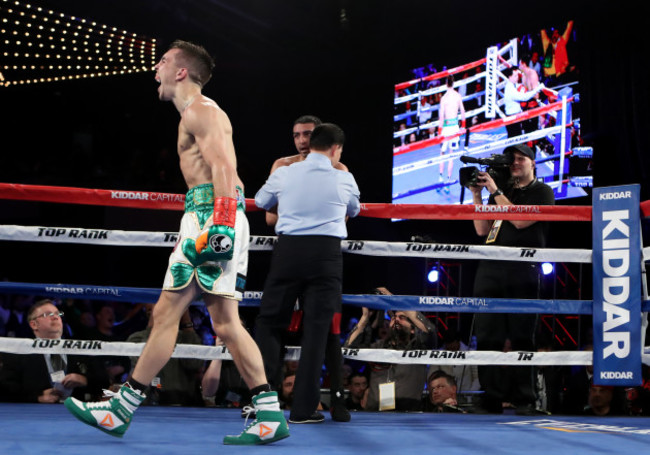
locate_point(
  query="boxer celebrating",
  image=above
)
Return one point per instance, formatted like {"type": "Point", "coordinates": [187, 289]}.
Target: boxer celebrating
{"type": "Point", "coordinates": [451, 106]}
{"type": "Point", "coordinates": [211, 256]}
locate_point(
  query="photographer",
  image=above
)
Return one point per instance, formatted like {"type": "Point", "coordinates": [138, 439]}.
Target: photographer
{"type": "Point", "coordinates": [394, 386]}
{"type": "Point", "coordinates": [507, 279]}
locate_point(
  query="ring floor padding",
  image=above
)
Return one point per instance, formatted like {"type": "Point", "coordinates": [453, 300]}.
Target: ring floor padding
{"type": "Point", "coordinates": [50, 429]}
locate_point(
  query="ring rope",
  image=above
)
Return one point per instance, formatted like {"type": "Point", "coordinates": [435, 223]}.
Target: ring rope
{"type": "Point", "coordinates": [434, 357]}
{"type": "Point", "coordinates": [377, 302]}
{"type": "Point", "coordinates": [170, 201]}
{"type": "Point", "coordinates": [492, 124]}
{"type": "Point", "coordinates": [107, 237]}
{"type": "Point", "coordinates": [441, 74]}
{"type": "Point", "coordinates": [422, 356]}
{"type": "Point", "coordinates": [481, 149]}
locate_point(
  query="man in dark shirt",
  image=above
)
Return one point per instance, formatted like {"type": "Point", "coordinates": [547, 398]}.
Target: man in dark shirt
{"type": "Point", "coordinates": [48, 378]}
{"type": "Point", "coordinates": [358, 386]}
{"type": "Point", "coordinates": [442, 393]}
{"type": "Point", "coordinates": [509, 279]}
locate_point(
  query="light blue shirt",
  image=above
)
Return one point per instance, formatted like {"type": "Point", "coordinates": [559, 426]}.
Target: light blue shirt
{"type": "Point", "coordinates": [512, 97]}
{"type": "Point", "coordinates": [312, 197]}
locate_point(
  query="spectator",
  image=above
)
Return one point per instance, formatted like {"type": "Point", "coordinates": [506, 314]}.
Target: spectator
{"type": "Point", "coordinates": [556, 58]}
{"type": "Point", "coordinates": [400, 140]}
{"type": "Point", "coordinates": [442, 393]}
{"type": "Point", "coordinates": [638, 398]}
{"type": "Point", "coordinates": [222, 385]}
{"type": "Point", "coordinates": [535, 65]}
{"type": "Point", "coordinates": [604, 401]}
{"type": "Point", "coordinates": [549, 380]}
{"type": "Point", "coordinates": [116, 366]}
{"type": "Point", "coordinates": [286, 392]}
{"type": "Point", "coordinates": [356, 401]}
{"type": "Point", "coordinates": [4, 315]}
{"type": "Point", "coordinates": [578, 383]}
{"type": "Point", "coordinates": [466, 376]}
{"type": "Point", "coordinates": [16, 324]}
{"type": "Point", "coordinates": [79, 316]}
{"type": "Point", "coordinates": [177, 383]}
{"type": "Point", "coordinates": [48, 378]}
{"type": "Point", "coordinates": [408, 330]}
{"type": "Point", "coordinates": [424, 111]}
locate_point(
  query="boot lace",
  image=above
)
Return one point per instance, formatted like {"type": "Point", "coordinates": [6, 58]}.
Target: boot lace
{"type": "Point", "coordinates": [102, 404]}
{"type": "Point", "coordinates": [248, 410]}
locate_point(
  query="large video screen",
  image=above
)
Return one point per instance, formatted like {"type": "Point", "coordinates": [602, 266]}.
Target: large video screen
{"type": "Point", "coordinates": [448, 118]}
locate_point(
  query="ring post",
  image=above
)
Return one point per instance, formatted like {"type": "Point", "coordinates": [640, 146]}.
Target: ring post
{"type": "Point", "coordinates": [617, 286]}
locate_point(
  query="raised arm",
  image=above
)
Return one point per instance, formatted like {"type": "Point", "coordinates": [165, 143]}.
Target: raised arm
{"type": "Point", "coordinates": [567, 31]}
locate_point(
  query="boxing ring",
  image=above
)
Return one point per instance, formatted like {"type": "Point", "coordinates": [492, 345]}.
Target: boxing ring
{"type": "Point", "coordinates": [32, 428]}
{"type": "Point", "coordinates": [415, 165]}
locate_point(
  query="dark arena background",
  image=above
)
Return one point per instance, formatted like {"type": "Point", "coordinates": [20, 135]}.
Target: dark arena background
{"type": "Point", "coordinates": [275, 61]}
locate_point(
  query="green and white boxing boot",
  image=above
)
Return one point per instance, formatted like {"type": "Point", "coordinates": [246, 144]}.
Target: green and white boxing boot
{"type": "Point", "coordinates": [269, 424]}
{"type": "Point", "coordinates": [113, 416]}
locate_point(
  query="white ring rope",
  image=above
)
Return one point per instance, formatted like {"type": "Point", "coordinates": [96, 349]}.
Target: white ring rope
{"type": "Point", "coordinates": [481, 149]}
{"type": "Point", "coordinates": [265, 243]}
{"type": "Point", "coordinates": [195, 351]}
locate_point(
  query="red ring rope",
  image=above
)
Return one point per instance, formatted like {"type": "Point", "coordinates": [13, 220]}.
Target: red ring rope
{"type": "Point", "coordinates": [492, 124]}
{"type": "Point", "coordinates": [441, 74]}
{"type": "Point", "coordinates": [169, 201]}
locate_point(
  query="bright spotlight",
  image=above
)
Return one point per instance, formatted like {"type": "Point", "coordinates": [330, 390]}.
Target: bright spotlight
{"type": "Point", "coordinates": [547, 268]}
{"type": "Point", "coordinates": [433, 275]}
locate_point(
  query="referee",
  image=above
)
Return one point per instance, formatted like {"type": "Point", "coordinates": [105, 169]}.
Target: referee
{"type": "Point", "coordinates": [314, 199]}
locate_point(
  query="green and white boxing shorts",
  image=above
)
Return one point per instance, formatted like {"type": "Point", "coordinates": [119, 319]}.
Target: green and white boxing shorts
{"type": "Point", "coordinates": [225, 278]}
{"type": "Point", "coordinates": [449, 128]}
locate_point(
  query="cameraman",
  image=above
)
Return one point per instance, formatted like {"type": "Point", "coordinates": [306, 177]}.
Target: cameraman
{"type": "Point", "coordinates": [509, 279]}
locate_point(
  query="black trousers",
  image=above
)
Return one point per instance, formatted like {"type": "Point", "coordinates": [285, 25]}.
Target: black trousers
{"type": "Point", "coordinates": [502, 279]}
{"type": "Point", "coordinates": [514, 129]}
{"type": "Point", "coordinates": [309, 267]}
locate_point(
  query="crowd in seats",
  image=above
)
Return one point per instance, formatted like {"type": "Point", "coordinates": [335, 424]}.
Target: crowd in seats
{"type": "Point", "coordinates": [561, 390]}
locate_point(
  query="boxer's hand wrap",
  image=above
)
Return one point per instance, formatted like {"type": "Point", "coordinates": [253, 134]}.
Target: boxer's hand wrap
{"type": "Point", "coordinates": [217, 242]}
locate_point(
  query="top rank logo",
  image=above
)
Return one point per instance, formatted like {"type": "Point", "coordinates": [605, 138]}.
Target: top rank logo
{"type": "Point", "coordinates": [67, 344]}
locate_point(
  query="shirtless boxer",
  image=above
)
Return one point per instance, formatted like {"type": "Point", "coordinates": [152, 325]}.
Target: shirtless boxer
{"type": "Point", "coordinates": [302, 128]}
{"type": "Point", "coordinates": [451, 105]}
{"type": "Point", "coordinates": [530, 81]}
{"type": "Point", "coordinates": [211, 256]}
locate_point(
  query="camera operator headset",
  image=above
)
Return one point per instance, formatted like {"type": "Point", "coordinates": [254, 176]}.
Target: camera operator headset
{"type": "Point", "coordinates": [509, 279]}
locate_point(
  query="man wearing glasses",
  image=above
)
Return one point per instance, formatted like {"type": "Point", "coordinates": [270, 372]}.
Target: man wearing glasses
{"type": "Point", "coordinates": [47, 378]}
{"type": "Point", "coordinates": [441, 396]}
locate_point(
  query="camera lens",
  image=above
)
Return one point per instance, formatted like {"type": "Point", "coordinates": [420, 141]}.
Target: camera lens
{"type": "Point", "coordinates": [468, 176]}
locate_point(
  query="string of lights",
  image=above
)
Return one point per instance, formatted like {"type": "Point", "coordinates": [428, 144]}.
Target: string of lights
{"type": "Point", "coordinates": [41, 45]}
